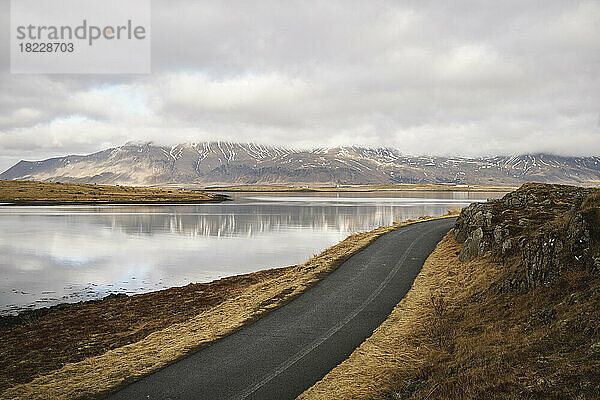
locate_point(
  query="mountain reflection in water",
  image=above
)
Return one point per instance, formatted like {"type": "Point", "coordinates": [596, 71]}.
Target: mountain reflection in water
{"type": "Point", "coordinates": [50, 255]}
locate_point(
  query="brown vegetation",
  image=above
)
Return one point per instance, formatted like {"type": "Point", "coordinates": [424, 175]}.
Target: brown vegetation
{"type": "Point", "coordinates": [466, 330]}
{"type": "Point", "coordinates": [397, 350]}
{"type": "Point", "coordinates": [54, 193]}
{"type": "Point", "coordinates": [481, 343]}
{"type": "Point", "coordinates": [90, 349]}
{"type": "Point", "coordinates": [36, 344]}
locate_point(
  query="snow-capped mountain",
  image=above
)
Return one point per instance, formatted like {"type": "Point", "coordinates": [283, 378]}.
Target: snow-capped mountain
{"type": "Point", "coordinates": [247, 163]}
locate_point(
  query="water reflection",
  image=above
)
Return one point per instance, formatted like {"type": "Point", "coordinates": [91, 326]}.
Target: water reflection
{"type": "Point", "coordinates": [50, 255]}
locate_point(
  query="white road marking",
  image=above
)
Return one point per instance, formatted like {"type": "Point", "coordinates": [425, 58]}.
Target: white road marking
{"type": "Point", "coordinates": [301, 354]}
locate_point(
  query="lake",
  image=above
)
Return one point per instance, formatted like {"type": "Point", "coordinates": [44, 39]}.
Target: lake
{"type": "Point", "coordinates": [57, 254]}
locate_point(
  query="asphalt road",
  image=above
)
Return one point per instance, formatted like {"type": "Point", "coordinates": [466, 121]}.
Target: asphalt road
{"type": "Point", "coordinates": [287, 351]}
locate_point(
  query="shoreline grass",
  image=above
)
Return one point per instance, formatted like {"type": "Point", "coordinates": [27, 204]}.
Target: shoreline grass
{"type": "Point", "coordinates": [57, 193]}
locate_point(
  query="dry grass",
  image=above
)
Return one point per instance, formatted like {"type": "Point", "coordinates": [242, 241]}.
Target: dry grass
{"type": "Point", "coordinates": [479, 342]}
{"type": "Point", "coordinates": [105, 372]}
{"type": "Point", "coordinates": [53, 193]}
{"type": "Point", "coordinates": [398, 348]}
{"type": "Point", "coordinates": [40, 341]}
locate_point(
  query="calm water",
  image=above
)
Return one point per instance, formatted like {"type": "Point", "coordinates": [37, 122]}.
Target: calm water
{"type": "Point", "coordinates": [50, 255]}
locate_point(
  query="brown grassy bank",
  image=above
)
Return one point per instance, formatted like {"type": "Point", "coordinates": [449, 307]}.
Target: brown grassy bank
{"type": "Point", "coordinates": [86, 351]}
{"type": "Point", "coordinates": [35, 344]}
{"type": "Point", "coordinates": [56, 193]}
{"type": "Point", "coordinates": [398, 349]}
{"type": "Point", "coordinates": [473, 330]}
{"type": "Point", "coordinates": [479, 344]}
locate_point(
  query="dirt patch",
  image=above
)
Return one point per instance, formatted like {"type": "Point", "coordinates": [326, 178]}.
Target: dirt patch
{"type": "Point", "coordinates": [57, 193]}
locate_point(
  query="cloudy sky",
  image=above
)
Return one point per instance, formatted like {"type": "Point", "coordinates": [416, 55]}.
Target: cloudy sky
{"type": "Point", "coordinates": [427, 77]}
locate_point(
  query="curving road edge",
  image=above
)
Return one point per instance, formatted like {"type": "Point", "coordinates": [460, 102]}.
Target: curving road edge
{"type": "Point", "coordinates": [288, 350]}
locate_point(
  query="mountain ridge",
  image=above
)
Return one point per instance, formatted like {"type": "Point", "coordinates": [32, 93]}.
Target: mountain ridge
{"type": "Point", "coordinates": [249, 163]}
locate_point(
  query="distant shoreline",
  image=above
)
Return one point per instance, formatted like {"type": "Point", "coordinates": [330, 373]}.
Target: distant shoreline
{"type": "Point", "coordinates": [109, 203]}
{"type": "Point", "coordinates": [358, 188]}
{"type": "Point", "coordinates": [33, 193]}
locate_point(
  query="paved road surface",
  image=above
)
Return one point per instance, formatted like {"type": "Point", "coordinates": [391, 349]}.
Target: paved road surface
{"type": "Point", "coordinates": [288, 350]}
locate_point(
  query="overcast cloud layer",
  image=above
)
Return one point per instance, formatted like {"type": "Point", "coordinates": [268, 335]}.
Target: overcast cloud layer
{"type": "Point", "coordinates": [446, 78]}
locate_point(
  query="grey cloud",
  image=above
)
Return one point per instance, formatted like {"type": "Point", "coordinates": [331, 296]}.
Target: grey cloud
{"type": "Point", "coordinates": [464, 77]}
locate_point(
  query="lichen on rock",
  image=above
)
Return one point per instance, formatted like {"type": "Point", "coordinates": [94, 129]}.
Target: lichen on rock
{"type": "Point", "coordinates": [545, 228]}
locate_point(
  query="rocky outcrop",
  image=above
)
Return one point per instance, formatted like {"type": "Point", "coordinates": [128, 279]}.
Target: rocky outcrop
{"type": "Point", "coordinates": [545, 228]}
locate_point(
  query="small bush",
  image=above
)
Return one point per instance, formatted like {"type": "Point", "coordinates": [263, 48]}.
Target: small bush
{"type": "Point", "coordinates": [437, 326]}
{"type": "Point", "coordinates": [31, 317]}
